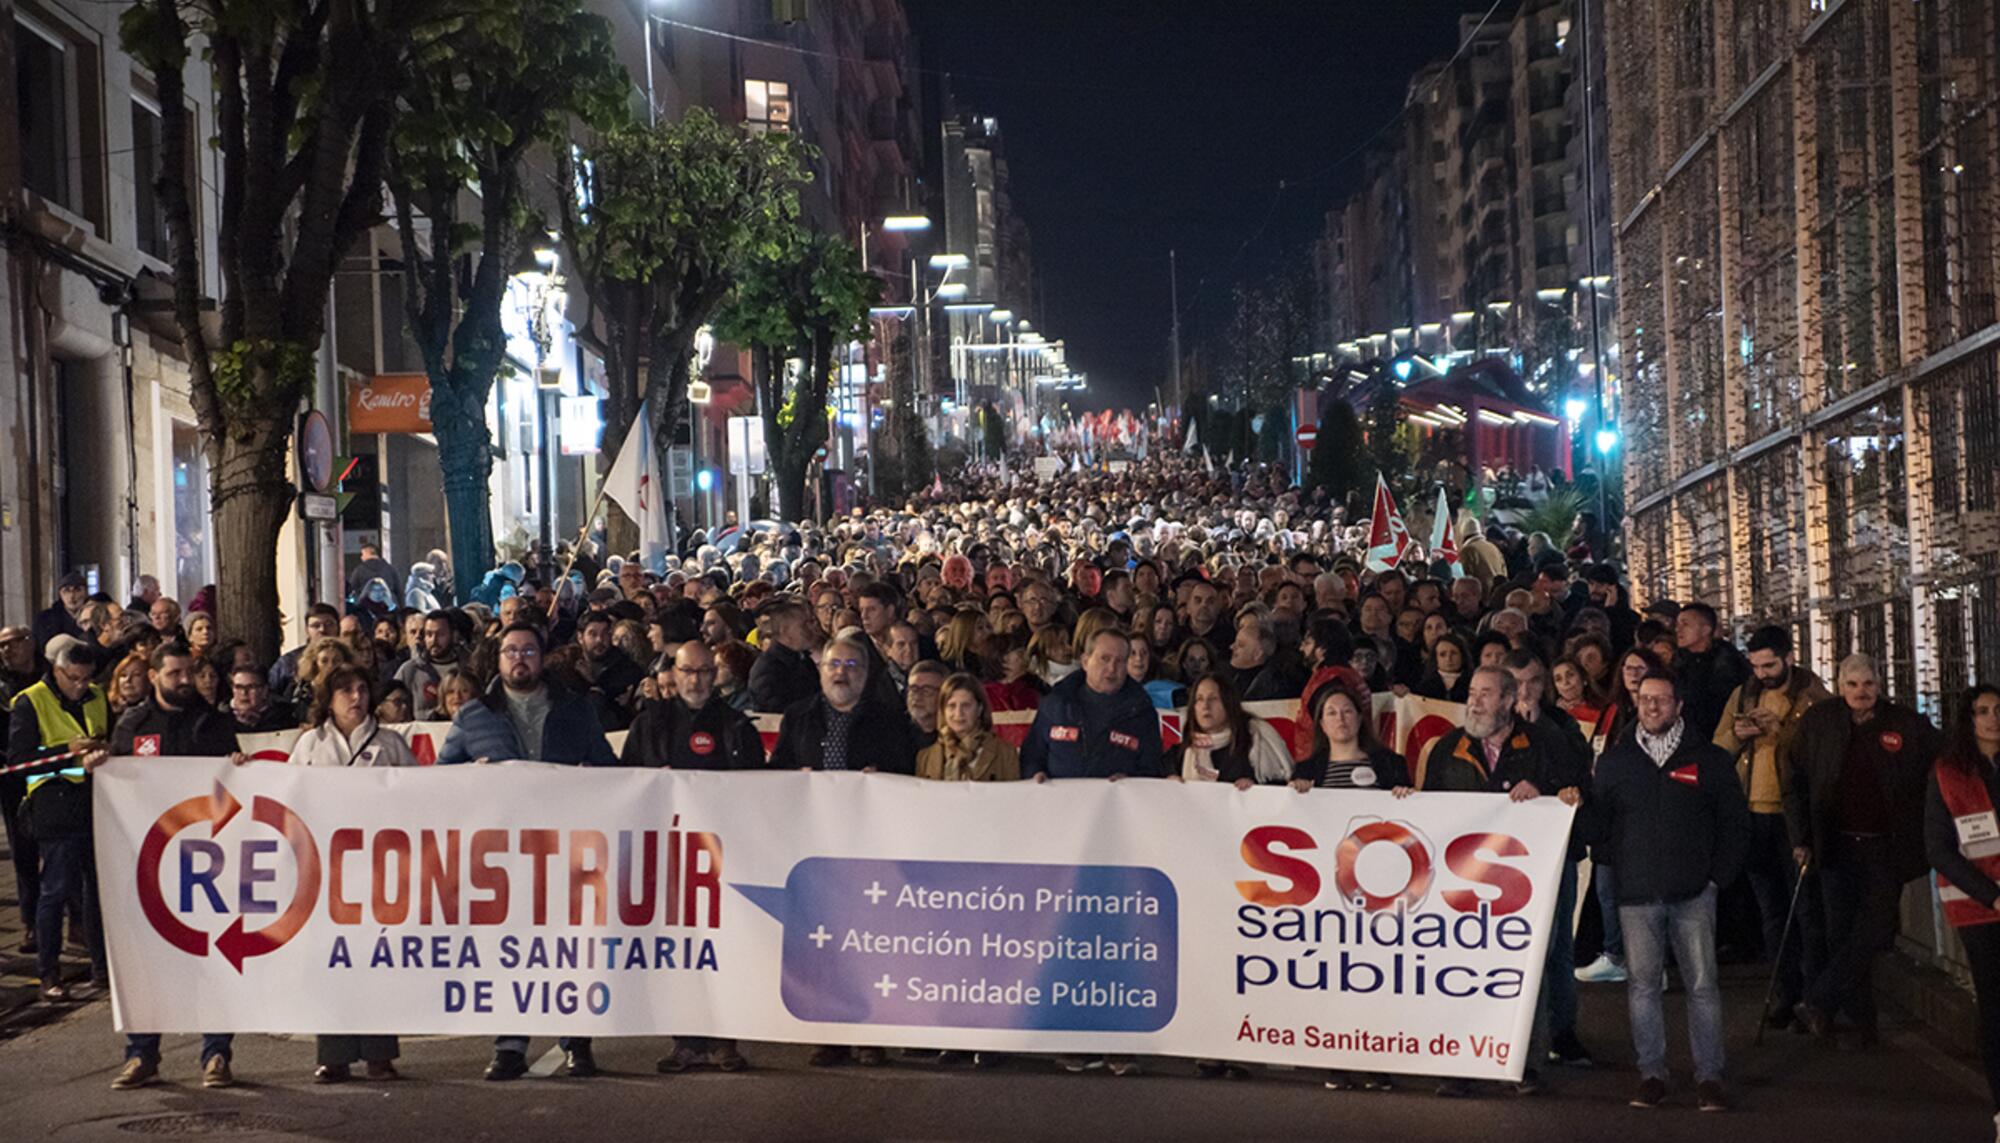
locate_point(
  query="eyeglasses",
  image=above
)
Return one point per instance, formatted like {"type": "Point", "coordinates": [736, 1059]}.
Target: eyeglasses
{"type": "Point", "coordinates": [842, 664]}
{"type": "Point", "coordinates": [695, 672]}
{"type": "Point", "coordinates": [246, 688]}
{"type": "Point", "coordinates": [520, 653]}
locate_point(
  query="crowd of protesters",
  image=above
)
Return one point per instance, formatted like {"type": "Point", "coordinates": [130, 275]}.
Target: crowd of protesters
{"type": "Point", "coordinates": [1711, 780]}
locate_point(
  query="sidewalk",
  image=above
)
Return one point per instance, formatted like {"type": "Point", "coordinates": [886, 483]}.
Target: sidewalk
{"type": "Point", "coordinates": [20, 1008]}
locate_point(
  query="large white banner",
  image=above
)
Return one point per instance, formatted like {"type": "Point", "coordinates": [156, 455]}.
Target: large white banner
{"type": "Point", "coordinates": [1334, 929]}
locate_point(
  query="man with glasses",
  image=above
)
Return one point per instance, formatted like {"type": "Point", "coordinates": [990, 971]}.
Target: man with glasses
{"type": "Point", "coordinates": [922, 688]}
{"type": "Point", "coordinates": [250, 704]}
{"type": "Point", "coordinates": [61, 718]}
{"type": "Point", "coordinates": [697, 729]}
{"type": "Point", "coordinates": [524, 716]}
{"type": "Point", "coordinates": [845, 727]}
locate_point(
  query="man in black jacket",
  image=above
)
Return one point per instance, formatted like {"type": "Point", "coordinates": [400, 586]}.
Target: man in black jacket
{"type": "Point", "coordinates": [1855, 808]}
{"type": "Point", "coordinates": [612, 676]}
{"type": "Point", "coordinates": [1665, 803]}
{"type": "Point", "coordinates": [695, 730]}
{"type": "Point", "coordinates": [173, 721]}
{"type": "Point", "coordinates": [1710, 668]}
{"type": "Point", "coordinates": [844, 727]}
{"type": "Point", "coordinates": [64, 616]}
{"type": "Point", "coordinates": [783, 673]}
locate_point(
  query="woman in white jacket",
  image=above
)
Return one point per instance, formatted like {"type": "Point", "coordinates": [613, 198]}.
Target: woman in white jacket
{"type": "Point", "coordinates": [340, 731]}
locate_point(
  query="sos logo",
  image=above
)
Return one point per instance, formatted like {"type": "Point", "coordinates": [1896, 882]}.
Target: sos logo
{"type": "Point", "coordinates": [1473, 859]}
{"type": "Point", "coordinates": [240, 882]}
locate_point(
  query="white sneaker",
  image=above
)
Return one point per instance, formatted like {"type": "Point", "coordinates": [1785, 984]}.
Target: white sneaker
{"type": "Point", "coordinates": [1603, 970]}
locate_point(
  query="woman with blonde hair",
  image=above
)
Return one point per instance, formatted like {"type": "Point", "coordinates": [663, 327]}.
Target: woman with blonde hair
{"type": "Point", "coordinates": [967, 749]}
{"type": "Point", "coordinates": [1051, 654]}
{"type": "Point", "coordinates": [958, 642]}
{"type": "Point", "coordinates": [455, 692]}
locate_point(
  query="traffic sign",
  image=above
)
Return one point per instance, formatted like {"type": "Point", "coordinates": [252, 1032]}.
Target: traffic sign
{"type": "Point", "coordinates": [1307, 435]}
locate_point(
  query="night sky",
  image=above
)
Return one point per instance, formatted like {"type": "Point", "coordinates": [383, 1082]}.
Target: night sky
{"type": "Point", "coordinates": [1134, 128]}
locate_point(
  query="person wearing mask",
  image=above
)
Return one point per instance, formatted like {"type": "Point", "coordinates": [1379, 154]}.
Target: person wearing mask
{"type": "Point", "coordinates": [524, 716]}
{"type": "Point", "coordinates": [172, 722]}
{"type": "Point", "coordinates": [62, 717]}
{"type": "Point", "coordinates": [1498, 752]}
{"type": "Point", "coordinates": [967, 749]}
{"type": "Point", "coordinates": [783, 675]}
{"type": "Point", "coordinates": [1759, 725]}
{"type": "Point", "coordinates": [1097, 723]}
{"type": "Point", "coordinates": [1666, 803]}
{"type": "Point", "coordinates": [610, 674]}
{"type": "Point", "coordinates": [1962, 843]}
{"type": "Point", "coordinates": [340, 731]}
{"type": "Point", "coordinates": [1223, 743]}
{"type": "Point", "coordinates": [17, 674]}
{"type": "Point", "coordinates": [922, 689]}
{"type": "Point", "coordinates": [1855, 811]}
{"type": "Point", "coordinates": [1710, 667]}
{"type": "Point", "coordinates": [250, 704]}
{"type": "Point", "coordinates": [433, 658]}
{"type": "Point", "coordinates": [695, 730]}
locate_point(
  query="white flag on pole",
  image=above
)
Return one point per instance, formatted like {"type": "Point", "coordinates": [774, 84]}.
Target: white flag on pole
{"type": "Point", "coordinates": [634, 484]}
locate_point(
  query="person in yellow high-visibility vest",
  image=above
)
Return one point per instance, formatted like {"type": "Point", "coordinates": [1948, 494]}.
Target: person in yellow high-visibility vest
{"type": "Point", "coordinates": [60, 718]}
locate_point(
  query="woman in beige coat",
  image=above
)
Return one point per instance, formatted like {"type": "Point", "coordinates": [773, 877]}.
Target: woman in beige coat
{"type": "Point", "coordinates": [967, 749]}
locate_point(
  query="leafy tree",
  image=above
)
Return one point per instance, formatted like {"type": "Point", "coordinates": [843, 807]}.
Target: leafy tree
{"type": "Point", "coordinates": [804, 298]}
{"type": "Point", "coordinates": [1340, 459]}
{"type": "Point", "coordinates": [305, 95]}
{"type": "Point", "coordinates": [664, 218]}
{"type": "Point", "coordinates": [504, 82]}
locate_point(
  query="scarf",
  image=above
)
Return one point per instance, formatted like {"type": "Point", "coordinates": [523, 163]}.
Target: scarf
{"type": "Point", "coordinates": [960, 751]}
{"type": "Point", "coordinates": [1197, 761]}
{"type": "Point", "coordinates": [1660, 747]}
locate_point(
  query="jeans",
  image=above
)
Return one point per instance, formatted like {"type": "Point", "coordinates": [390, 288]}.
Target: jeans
{"type": "Point", "coordinates": [146, 1046]}
{"type": "Point", "coordinates": [1982, 951]}
{"type": "Point", "coordinates": [1604, 882]}
{"type": "Point", "coordinates": [1559, 970]}
{"type": "Point", "coordinates": [69, 872]}
{"type": "Point", "coordinates": [1689, 926]}
{"type": "Point", "coordinates": [520, 1043]}
{"type": "Point", "coordinates": [1863, 900]}
{"type": "Point", "coordinates": [1774, 877]}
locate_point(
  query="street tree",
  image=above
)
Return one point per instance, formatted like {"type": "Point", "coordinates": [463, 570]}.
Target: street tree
{"type": "Point", "coordinates": [305, 95]}
{"type": "Point", "coordinates": [801, 301]}
{"type": "Point", "coordinates": [1340, 460]}
{"type": "Point", "coordinates": [662, 220]}
{"type": "Point", "coordinates": [506, 81]}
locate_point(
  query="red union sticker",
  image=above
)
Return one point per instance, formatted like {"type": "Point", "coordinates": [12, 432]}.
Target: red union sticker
{"type": "Point", "coordinates": [701, 742]}
{"type": "Point", "coordinates": [1062, 733]}
{"type": "Point", "coordinates": [1892, 742]}
{"type": "Point", "coordinates": [146, 745]}
{"type": "Point", "coordinates": [1686, 775]}
{"type": "Point", "coordinates": [1120, 738]}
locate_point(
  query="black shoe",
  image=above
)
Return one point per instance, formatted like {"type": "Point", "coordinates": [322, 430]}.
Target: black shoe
{"type": "Point", "coordinates": [1530, 1083]}
{"type": "Point", "coordinates": [1782, 1019]}
{"type": "Point", "coordinates": [1568, 1050]}
{"type": "Point", "coordinates": [1652, 1093]}
{"type": "Point", "coordinates": [988, 1060]}
{"type": "Point", "coordinates": [506, 1065]}
{"type": "Point", "coordinates": [332, 1073]}
{"type": "Point", "coordinates": [871, 1057]}
{"type": "Point", "coordinates": [953, 1059]}
{"type": "Point", "coordinates": [28, 945]}
{"type": "Point", "coordinates": [1455, 1089]}
{"type": "Point", "coordinates": [827, 1056]}
{"type": "Point", "coordinates": [1708, 1096]}
{"type": "Point", "coordinates": [578, 1063]}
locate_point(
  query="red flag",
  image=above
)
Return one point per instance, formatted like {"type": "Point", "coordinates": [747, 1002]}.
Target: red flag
{"type": "Point", "coordinates": [937, 484]}
{"type": "Point", "coordinates": [1387, 534]}
{"type": "Point", "coordinates": [1443, 547]}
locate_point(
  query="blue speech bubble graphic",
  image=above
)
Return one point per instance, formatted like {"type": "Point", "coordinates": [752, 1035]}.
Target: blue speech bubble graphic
{"type": "Point", "coordinates": [969, 944]}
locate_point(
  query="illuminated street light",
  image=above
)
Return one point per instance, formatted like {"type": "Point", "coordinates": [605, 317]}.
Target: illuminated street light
{"type": "Point", "coordinates": [949, 261]}
{"type": "Point", "coordinates": [899, 222]}
{"type": "Point", "coordinates": [1575, 408]}
{"type": "Point", "coordinates": [951, 290]}
{"type": "Point", "coordinates": [1607, 439]}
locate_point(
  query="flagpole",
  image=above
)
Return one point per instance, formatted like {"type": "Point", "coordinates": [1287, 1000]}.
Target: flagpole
{"type": "Point", "coordinates": [575, 550]}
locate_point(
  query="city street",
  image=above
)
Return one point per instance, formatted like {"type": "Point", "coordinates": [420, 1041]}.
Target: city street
{"type": "Point", "coordinates": [57, 1074]}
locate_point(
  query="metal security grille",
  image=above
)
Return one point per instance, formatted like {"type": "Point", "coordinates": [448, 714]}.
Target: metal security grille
{"type": "Point", "coordinates": [1854, 215]}
{"type": "Point", "coordinates": [1702, 514]}
{"type": "Point", "coordinates": [1774, 511]}
{"type": "Point", "coordinates": [1645, 393]}
{"type": "Point", "coordinates": [1694, 269]}
{"type": "Point", "coordinates": [1959, 197]}
{"type": "Point", "coordinates": [1766, 234]}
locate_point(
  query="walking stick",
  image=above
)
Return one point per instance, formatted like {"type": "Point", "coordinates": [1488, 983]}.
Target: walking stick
{"type": "Point", "coordinates": [1778, 962]}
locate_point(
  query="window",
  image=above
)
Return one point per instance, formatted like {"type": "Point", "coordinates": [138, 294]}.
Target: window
{"type": "Point", "coordinates": [767, 105]}
{"type": "Point", "coordinates": [45, 96]}
{"type": "Point", "coordinates": [150, 235]}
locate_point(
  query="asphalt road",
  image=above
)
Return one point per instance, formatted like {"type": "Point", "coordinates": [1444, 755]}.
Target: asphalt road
{"type": "Point", "coordinates": [54, 1079]}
